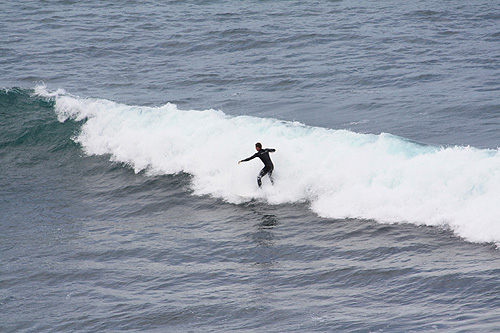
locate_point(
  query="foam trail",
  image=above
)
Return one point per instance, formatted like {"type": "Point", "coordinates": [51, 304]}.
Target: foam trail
{"type": "Point", "coordinates": [340, 173]}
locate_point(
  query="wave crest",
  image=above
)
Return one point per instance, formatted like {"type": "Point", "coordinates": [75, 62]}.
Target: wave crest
{"type": "Point", "coordinates": [341, 174]}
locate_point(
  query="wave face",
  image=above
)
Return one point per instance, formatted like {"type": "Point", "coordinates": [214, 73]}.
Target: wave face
{"type": "Point", "coordinates": [28, 120]}
{"type": "Point", "coordinates": [341, 174]}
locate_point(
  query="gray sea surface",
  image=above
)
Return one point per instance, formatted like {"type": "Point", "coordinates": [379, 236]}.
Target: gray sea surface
{"type": "Point", "coordinates": [87, 244]}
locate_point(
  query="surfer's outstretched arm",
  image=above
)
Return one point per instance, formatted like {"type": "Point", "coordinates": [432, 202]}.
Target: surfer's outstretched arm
{"type": "Point", "coordinates": [248, 158]}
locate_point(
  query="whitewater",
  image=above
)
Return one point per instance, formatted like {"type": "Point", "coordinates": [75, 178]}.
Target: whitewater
{"type": "Point", "coordinates": [339, 173]}
{"type": "Point", "coordinates": [123, 206]}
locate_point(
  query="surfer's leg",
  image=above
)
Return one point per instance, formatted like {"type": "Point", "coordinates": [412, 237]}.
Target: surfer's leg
{"type": "Point", "coordinates": [271, 176]}
{"type": "Point", "coordinates": [262, 173]}
{"type": "Point", "coordinates": [259, 179]}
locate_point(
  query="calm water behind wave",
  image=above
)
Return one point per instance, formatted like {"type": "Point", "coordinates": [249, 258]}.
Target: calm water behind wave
{"type": "Point", "coordinates": [88, 245]}
{"type": "Point", "coordinates": [426, 71]}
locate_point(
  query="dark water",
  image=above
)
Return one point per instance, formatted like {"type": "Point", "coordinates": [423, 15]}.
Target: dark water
{"type": "Point", "coordinates": [135, 216]}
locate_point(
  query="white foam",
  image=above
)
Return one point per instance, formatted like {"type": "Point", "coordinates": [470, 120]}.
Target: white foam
{"type": "Point", "coordinates": [340, 173]}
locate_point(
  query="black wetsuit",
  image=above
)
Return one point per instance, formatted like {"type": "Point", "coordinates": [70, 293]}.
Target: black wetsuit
{"type": "Point", "coordinates": [263, 154]}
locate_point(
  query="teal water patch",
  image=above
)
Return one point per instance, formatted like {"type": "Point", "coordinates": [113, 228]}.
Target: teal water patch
{"type": "Point", "coordinates": [28, 120]}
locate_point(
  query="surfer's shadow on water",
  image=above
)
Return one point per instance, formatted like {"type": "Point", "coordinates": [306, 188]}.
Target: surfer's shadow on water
{"type": "Point", "coordinates": [268, 221]}
{"type": "Point", "coordinates": [263, 236]}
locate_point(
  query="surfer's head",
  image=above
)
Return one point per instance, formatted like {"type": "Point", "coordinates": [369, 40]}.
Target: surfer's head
{"type": "Point", "coordinates": [258, 146]}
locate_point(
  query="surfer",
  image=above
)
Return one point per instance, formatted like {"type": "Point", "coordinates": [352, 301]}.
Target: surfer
{"type": "Point", "coordinates": [263, 154]}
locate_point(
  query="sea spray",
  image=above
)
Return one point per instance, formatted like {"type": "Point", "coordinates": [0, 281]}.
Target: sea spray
{"type": "Point", "coordinates": [341, 174]}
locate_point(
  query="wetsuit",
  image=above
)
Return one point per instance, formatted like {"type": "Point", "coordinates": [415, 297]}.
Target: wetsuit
{"type": "Point", "coordinates": [263, 154]}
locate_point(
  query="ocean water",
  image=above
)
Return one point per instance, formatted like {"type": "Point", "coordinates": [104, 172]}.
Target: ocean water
{"type": "Point", "coordinates": [123, 207]}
